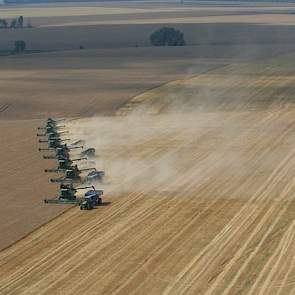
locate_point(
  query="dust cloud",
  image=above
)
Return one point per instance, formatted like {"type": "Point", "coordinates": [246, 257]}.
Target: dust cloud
{"type": "Point", "coordinates": [190, 133]}
{"type": "Point", "coordinates": [150, 153]}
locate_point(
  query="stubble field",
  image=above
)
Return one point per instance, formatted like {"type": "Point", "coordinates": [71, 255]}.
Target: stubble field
{"type": "Point", "coordinates": [200, 170]}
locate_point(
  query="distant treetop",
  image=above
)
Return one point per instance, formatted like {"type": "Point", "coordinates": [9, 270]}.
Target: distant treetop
{"type": "Point", "coordinates": [167, 37]}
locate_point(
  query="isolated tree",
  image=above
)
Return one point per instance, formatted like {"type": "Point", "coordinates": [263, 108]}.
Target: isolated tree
{"type": "Point", "coordinates": [3, 24]}
{"type": "Point", "coordinates": [19, 46]}
{"type": "Point", "coordinates": [167, 37]}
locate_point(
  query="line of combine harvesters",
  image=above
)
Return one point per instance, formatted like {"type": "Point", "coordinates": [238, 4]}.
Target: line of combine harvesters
{"type": "Point", "coordinates": [61, 152]}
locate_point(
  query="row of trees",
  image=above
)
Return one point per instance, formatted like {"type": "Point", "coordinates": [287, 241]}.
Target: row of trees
{"type": "Point", "coordinates": [14, 24]}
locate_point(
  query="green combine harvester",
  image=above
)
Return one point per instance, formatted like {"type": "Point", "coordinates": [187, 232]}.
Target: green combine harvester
{"type": "Point", "coordinates": [64, 163]}
{"type": "Point", "coordinates": [90, 200]}
{"type": "Point", "coordinates": [53, 134]}
{"type": "Point", "coordinates": [73, 174]}
{"type": "Point", "coordinates": [61, 152]}
{"type": "Point", "coordinates": [54, 142]}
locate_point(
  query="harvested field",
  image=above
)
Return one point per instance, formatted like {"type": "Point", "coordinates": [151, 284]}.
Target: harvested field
{"type": "Point", "coordinates": [84, 83]}
{"type": "Point", "coordinates": [62, 84]}
{"type": "Point", "coordinates": [201, 203]}
{"type": "Point", "coordinates": [196, 142]}
{"type": "Point", "coordinates": [22, 182]}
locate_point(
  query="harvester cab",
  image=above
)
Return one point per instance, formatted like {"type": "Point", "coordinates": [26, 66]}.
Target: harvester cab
{"type": "Point", "coordinates": [73, 173]}
{"type": "Point", "coordinates": [67, 192]}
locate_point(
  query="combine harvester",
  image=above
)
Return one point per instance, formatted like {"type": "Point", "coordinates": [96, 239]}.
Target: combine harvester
{"type": "Point", "coordinates": [51, 123]}
{"type": "Point", "coordinates": [64, 163]}
{"type": "Point", "coordinates": [60, 151]}
{"type": "Point", "coordinates": [52, 135]}
{"type": "Point", "coordinates": [72, 173]}
{"type": "Point", "coordinates": [90, 200]}
{"type": "Point", "coordinates": [54, 142]}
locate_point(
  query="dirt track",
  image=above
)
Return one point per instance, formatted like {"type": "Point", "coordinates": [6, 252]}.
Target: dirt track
{"type": "Point", "coordinates": [220, 220]}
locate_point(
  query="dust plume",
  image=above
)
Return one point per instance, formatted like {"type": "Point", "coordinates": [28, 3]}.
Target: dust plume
{"type": "Point", "coordinates": [187, 134]}
{"type": "Point", "coordinates": [152, 153]}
